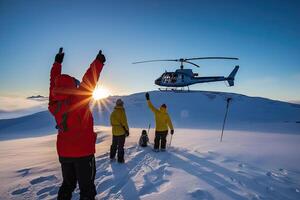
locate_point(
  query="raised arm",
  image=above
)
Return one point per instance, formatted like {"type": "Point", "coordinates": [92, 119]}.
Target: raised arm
{"type": "Point", "coordinates": [150, 105]}
{"type": "Point", "coordinates": [152, 108]}
{"type": "Point", "coordinates": [91, 76]}
{"type": "Point", "coordinates": [54, 73]}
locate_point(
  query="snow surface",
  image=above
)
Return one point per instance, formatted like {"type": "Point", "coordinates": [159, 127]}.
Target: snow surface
{"type": "Point", "coordinates": [246, 165]}
{"type": "Point", "coordinates": [197, 110]}
{"type": "Point", "coordinates": [258, 158]}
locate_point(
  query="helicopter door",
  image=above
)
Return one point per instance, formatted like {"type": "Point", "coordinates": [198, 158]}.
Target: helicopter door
{"type": "Point", "coordinates": [180, 78]}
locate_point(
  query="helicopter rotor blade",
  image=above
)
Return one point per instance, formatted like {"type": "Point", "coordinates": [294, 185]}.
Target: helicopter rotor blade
{"type": "Point", "coordinates": [191, 63]}
{"type": "Point", "coordinates": [176, 60]}
{"type": "Point", "coordinates": [186, 59]}
{"type": "Point", "coordinates": [204, 58]}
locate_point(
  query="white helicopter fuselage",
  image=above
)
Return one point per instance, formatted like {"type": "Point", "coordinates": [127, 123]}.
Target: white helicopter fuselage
{"type": "Point", "coordinates": [186, 77]}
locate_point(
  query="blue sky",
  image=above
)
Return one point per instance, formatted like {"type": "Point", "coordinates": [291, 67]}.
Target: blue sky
{"type": "Point", "coordinates": [263, 34]}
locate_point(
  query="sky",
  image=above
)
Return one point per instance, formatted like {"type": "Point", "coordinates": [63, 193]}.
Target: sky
{"type": "Point", "coordinates": [263, 34]}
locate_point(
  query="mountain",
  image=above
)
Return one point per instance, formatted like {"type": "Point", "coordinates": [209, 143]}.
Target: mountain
{"type": "Point", "coordinates": [15, 107]}
{"type": "Point", "coordinates": [256, 163]}
{"type": "Point", "coordinates": [36, 124]}
{"type": "Point", "coordinates": [196, 109]}
{"type": "Point", "coordinates": [207, 109]}
{"type": "Point", "coordinates": [37, 97]}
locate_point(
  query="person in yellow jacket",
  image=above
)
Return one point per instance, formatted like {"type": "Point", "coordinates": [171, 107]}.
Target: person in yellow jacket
{"type": "Point", "coordinates": [120, 130]}
{"type": "Point", "coordinates": [162, 123]}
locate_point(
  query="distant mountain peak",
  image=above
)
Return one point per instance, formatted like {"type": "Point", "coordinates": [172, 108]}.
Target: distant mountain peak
{"type": "Point", "coordinates": [36, 97]}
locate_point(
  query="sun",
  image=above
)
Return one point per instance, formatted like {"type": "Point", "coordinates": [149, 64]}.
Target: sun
{"type": "Point", "coordinates": [100, 93]}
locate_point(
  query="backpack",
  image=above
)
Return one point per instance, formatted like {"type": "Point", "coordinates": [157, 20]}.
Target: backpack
{"type": "Point", "coordinates": [144, 139]}
{"type": "Point", "coordinates": [61, 112]}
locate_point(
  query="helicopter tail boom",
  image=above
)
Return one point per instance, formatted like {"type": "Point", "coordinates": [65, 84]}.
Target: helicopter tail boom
{"type": "Point", "coordinates": [231, 76]}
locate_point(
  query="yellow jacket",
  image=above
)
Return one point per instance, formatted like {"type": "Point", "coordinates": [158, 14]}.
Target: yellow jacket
{"type": "Point", "coordinates": [162, 118]}
{"type": "Point", "coordinates": [118, 121]}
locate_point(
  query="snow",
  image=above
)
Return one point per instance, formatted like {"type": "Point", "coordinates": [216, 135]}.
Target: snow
{"type": "Point", "coordinates": [197, 110]}
{"type": "Point", "coordinates": [258, 158]}
{"type": "Point", "coordinates": [246, 165]}
{"type": "Point", "coordinates": [12, 107]}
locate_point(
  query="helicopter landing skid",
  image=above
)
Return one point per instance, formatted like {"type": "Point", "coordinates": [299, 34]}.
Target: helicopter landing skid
{"type": "Point", "coordinates": [182, 89]}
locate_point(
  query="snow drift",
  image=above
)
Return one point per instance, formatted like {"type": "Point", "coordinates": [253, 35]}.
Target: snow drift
{"type": "Point", "coordinates": [198, 109]}
{"type": "Point", "coordinates": [246, 165]}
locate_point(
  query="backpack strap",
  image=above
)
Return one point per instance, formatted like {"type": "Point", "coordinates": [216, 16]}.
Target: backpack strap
{"type": "Point", "coordinates": [62, 127]}
{"type": "Point", "coordinates": [58, 107]}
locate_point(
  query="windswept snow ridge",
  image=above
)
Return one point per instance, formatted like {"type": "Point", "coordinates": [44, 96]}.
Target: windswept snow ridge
{"type": "Point", "coordinates": [254, 161]}
{"type": "Point", "coordinates": [198, 110]}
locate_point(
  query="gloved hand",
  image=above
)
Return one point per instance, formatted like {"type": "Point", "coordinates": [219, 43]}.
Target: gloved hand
{"type": "Point", "coordinates": [101, 57]}
{"type": "Point", "coordinates": [126, 133]}
{"type": "Point", "coordinates": [147, 96]}
{"type": "Point", "coordinates": [60, 56]}
{"type": "Point", "coordinates": [172, 132]}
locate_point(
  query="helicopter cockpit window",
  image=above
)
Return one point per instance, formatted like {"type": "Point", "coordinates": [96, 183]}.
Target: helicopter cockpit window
{"type": "Point", "coordinates": [173, 78]}
{"type": "Point", "coordinates": [167, 78]}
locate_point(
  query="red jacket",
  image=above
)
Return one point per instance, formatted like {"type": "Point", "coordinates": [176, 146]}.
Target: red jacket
{"type": "Point", "coordinates": [78, 139]}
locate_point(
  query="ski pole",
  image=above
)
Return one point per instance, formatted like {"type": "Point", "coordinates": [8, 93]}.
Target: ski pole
{"type": "Point", "coordinates": [149, 128]}
{"type": "Point", "coordinates": [170, 141]}
{"type": "Point", "coordinates": [149, 134]}
{"type": "Point", "coordinates": [227, 106]}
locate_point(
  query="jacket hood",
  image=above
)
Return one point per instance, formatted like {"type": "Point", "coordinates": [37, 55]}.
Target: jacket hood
{"type": "Point", "coordinates": [65, 85]}
{"type": "Point", "coordinates": [163, 109]}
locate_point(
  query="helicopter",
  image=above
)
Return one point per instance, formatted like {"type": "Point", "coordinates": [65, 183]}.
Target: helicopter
{"type": "Point", "coordinates": [185, 77]}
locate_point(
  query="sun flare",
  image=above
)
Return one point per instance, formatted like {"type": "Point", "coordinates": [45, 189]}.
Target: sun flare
{"type": "Point", "coordinates": [100, 93]}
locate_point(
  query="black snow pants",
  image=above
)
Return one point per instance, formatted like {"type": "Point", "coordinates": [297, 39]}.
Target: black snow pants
{"type": "Point", "coordinates": [117, 144]}
{"type": "Point", "coordinates": [160, 139]}
{"type": "Point", "coordinates": [81, 170]}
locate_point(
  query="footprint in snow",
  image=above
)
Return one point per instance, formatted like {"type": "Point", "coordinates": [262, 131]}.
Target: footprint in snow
{"type": "Point", "coordinates": [201, 194]}
{"type": "Point", "coordinates": [20, 191]}
{"type": "Point", "coordinates": [154, 178]}
{"type": "Point", "coordinates": [241, 165]}
{"type": "Point", "coordinates": [269, 173]}
{"type": "Point", "coordinates": [24, 172]}
{"type": "Point", "coordinates": [49, 190]}
{"type": "Point", "coordinates": [283, 171]}
{"type": "Point", "coordinates": [42, 179]}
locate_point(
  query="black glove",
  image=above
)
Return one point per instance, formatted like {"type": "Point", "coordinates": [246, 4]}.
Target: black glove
{"type": "Point", "coordinates": [172, 132]}
{"type": "Point", "coordinates": [126, 133]}
{"type": "Point", "coordinates": [147, 96]}
{"type": "Point", "coordinates": [60, 56]}
{"type": "Point", "coordinates": [101, 57]}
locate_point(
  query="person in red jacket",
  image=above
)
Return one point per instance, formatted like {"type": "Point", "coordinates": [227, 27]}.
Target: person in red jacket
{"type": "Point", "coordinates": [69, 104]}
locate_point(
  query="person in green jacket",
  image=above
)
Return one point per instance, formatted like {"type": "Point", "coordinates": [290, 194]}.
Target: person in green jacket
{"type": "Point", "coordinates": [120, 130]}
{"type": "Point", "coordinates": [162, 123]}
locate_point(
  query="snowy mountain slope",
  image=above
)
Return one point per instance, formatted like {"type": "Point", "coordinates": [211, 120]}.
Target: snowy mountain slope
{"type": "Point", "coordinates": [203, 110]}
{"type": "Point", "coordinates": [36, 124]}
{"type": "Point", "coordinates": [207, 109]}
{"type": "Point", "coordinates": [244, 166]}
